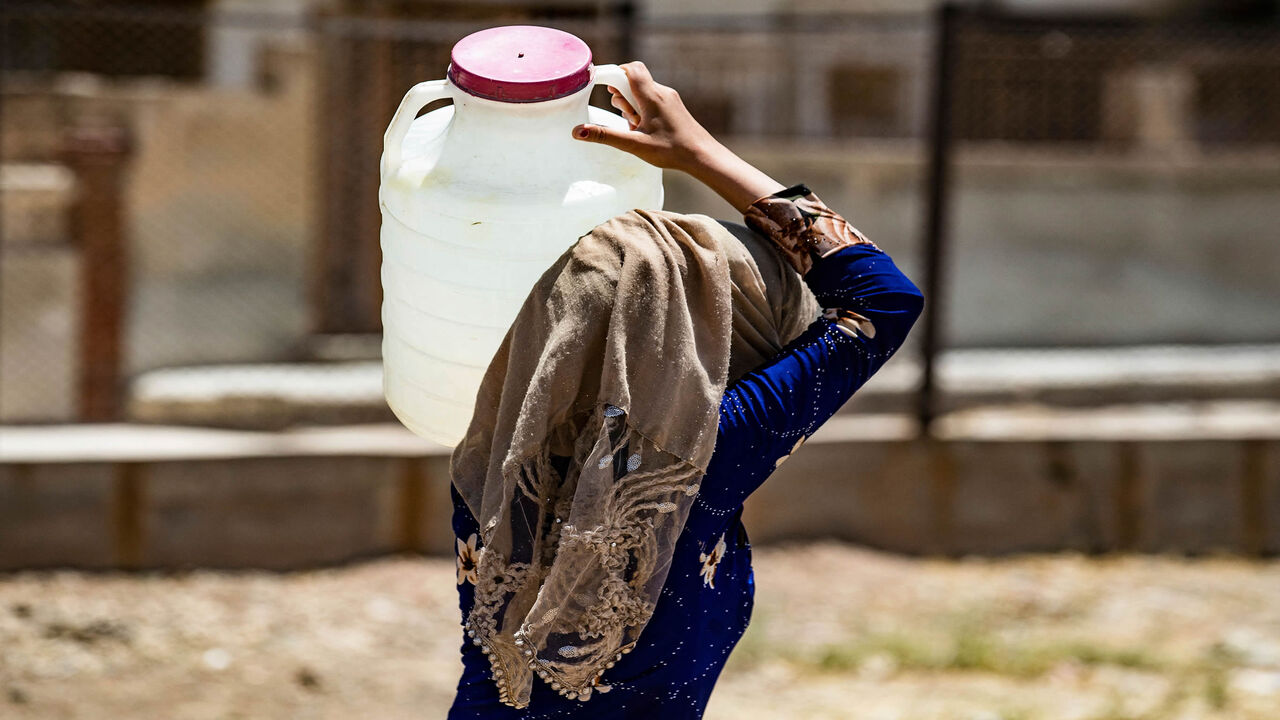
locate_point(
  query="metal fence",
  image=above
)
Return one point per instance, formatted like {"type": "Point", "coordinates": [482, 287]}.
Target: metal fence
{"type": "Point", "coordinates": [243, 176]}
{"type": "Point", "coordinates": [1168, 119]}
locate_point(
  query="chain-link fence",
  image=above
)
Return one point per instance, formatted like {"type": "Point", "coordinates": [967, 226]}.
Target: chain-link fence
{"type": "Point", "coordinates": [1113, 181]}
{"type": "Point", "coordinates": [213, 189]}
{"type": "Point", "coordinates": [1108, 182]}
{"type": "Point", "coordinates": [1122, 83]}
{"type": "Point", "coordinates": [243, 188]}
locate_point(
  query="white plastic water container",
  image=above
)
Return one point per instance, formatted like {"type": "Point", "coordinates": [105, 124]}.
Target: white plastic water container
{"type": "Point", "coordinates": [478, 199]}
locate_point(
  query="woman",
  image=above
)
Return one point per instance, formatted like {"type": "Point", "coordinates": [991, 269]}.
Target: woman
{"type": "Point", "coordinates": [705, 602]}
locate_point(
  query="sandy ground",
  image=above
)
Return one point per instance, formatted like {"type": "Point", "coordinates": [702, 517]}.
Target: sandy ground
{"type": "Point", "coordinates": [838, 632]}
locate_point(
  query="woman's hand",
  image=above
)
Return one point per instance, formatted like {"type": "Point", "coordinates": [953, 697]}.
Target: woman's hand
{"type": "Point", "coordinates": [663, 133]}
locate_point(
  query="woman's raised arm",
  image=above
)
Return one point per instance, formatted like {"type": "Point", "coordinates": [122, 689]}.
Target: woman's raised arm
{"type": "Point", "coordinates": [664, 134]}
{"type": "Point", "coordinates": [868, 304]}
{"type": "Point", "coordinates": [868, 308]}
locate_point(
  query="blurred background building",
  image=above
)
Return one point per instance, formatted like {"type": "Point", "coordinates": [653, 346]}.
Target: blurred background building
{"type": "Point", "coordinates": [190, 230]}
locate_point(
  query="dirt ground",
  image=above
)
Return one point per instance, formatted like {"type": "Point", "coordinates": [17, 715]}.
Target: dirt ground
{"type": "Point", "coordinates": [838, 632]}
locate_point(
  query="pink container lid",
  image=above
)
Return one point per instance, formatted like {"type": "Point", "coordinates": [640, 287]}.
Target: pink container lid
{"type": "Point", "coordinates": [520, 63]}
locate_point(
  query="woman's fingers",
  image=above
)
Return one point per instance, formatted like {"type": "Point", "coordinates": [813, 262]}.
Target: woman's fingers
{"type": "Point", "coordinates": [636, 143]}
{"type": "Point", "coordinates": [662, 132]}
{"type": "Point", "coordinates": [638, 74]}
{"type": "Point", "coordinates": [628, 112]}
{"type": "Point", "coordinates": [620, 101]}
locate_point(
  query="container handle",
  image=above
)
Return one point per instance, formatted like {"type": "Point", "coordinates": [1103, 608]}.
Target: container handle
{"type": "Point", "coordinates": [617, 77]}
{"type": "Point", "coordinates": [418, 97]}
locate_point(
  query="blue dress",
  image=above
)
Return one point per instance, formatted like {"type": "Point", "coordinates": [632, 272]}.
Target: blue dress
{"type": "Point", "coordinates": [707, 599]}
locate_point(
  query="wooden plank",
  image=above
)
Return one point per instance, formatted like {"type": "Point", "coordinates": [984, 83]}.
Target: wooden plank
{"type": "Point", "coordinates": [127, 499]}
{"type": "Point", "coordinates": [409, 505]}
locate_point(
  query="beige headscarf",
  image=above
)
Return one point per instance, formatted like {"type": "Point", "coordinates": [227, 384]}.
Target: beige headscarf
{"type": "Point", "coordinates": [617, 360]}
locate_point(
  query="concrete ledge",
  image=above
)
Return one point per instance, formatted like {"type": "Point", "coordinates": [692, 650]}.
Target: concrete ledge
{"type": "Point", "coordinates": [1169, 422]}
{"type": "Point", "coordinates": [1191, 479]}
{"type": "Point", "coordinates": [117, 443]}
{"type": "Point", "coordinates": [276, 396]}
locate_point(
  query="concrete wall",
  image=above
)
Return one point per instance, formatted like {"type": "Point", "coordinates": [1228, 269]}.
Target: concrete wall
{"type": "Point", "coordinates": [220, 205]}
{"type": "Point", "coordinates": [914, 496]}
{"type": "Point", "coordinates": [997, 497]}
{"type": "Point", "coordinates": [769, 81]}
{"type": "Point", "coordinates": [39, 293]}
{"type": "Point", "coordinates": [276, 512]}
{"type": "Point", "coordinates": [1054, 247]}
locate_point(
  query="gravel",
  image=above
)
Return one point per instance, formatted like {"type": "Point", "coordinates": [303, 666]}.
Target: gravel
{"type": "Point", "coordinates": [838, 632]}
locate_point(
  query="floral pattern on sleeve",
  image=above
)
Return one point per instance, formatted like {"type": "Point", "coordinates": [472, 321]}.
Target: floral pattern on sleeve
{"type": "Point", "coordinates": [801, 225]}
{"type": "Point", "coordinates": [849, 322]}
{"type": "Point", "coordinates": [466, 560]}
{"type": "Point", "coordinates": [710, 561]}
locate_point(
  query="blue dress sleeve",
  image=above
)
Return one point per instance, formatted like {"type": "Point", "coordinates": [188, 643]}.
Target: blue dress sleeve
{"type": "Point", "coordinates": [869, 307]}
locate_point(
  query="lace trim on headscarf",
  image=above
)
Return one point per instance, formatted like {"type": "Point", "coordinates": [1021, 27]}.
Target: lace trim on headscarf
{"type": "Point", "coordinates": [617, 554]}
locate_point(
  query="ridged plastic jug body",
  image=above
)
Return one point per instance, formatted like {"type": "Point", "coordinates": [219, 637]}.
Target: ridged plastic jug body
{"type": "Point", "coordinates": [478, 199]}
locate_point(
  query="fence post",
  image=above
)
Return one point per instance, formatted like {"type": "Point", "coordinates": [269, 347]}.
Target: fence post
{"type": "Point", "coordinates": [625, 19]}
{"type": "Point", "coordinates": [936, 195]}
{"type": "Point", "coordinates": [98, 156]}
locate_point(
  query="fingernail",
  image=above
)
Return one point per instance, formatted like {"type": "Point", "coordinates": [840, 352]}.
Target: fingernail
{"type": "Point", "coordinates": [581, 132]}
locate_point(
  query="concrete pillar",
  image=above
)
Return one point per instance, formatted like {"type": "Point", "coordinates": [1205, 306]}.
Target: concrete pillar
{"type": "Point", "coordinates": [239, 32]}
{"type": "Point", "coordinates": [1151, 107]}
{"type": "Point", "coordinates": [98, 157]}
{"type": "Point", "coordinates": [37, 294]}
